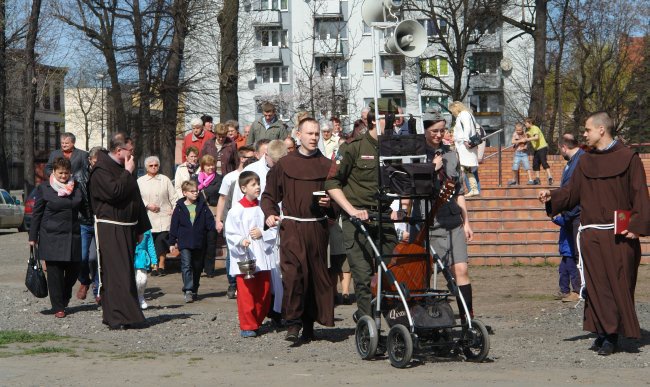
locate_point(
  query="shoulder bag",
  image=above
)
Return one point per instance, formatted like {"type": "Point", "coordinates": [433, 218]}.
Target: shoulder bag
{"type": "Point", "coordinates": [35, 277]}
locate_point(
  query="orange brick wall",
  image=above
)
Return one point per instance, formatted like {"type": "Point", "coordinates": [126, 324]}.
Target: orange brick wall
{"type": "Point", "coordinates": [488, 171]}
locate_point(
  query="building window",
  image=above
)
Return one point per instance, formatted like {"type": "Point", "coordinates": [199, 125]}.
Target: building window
{"type": "Point", "coordinates": [57, 98]}
{"type": "Point", "coordinates": [367, 30]}
{"type": "Point", "coordinates": [46, 97]}
{"type": "Point", "coordinates": [484, 63]}
{"type": "Point", "coordinates": [273, 38]}
{"type": "Point", "coordinates": [329, 29]}
{"type": "Point", "coordinates": [329, 67]}
{"type": "Point", "coordinates": [273, 74]}
{"type": "Point", "coordinates": [438, 103]}
{"type": "Point", "coordinates": [368, 66]}
{"type": "Point", "coordinates": [432, 30]}
{"type": "Point", "coordinates": [436, 67]}
{"type": "Point", "coordinates": [275, 5]}
{"type": "Point", "coordinates": [486, 103]}
{"type": "Point", "coordinates": [391, 66]}
{"type": "Point", "coordinates": [57, 135]}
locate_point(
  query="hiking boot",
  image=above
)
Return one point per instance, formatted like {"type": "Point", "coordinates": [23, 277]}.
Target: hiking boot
{"type": "Point", "coordinates": [571, 297]}
{"type": "Point", "coordinates": [292, 333]}
{"type": "Point", "coordinates": [232, 292]}
{"type": "Point", "coordinates": [82, 292]}
{"type": "Point", "coordinates": [188, 297]}
{"type": "Point", "coordinates": [560, 295]}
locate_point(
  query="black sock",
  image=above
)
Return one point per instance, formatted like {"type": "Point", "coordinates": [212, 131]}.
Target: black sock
{"type": "Point", "coordinates": [466, 291]}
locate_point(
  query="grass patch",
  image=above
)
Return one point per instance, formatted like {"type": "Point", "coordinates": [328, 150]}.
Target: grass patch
{"type": "Point", "coordinates": [43, 350]}
{"type": "Point", "coordinates": [134, 355]}
{"type": "Point", "coordinates": [546, 264]}
{"type": "Point", "coordinates": [8, 337]}
{"type": "Point", "coordinates": [517, 264]}
{"type": "Point", "coordinates": [196, 358]}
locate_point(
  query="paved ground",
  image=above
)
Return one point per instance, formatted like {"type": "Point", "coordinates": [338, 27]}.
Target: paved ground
{"type": "Point", "coordinates": [537, 340]}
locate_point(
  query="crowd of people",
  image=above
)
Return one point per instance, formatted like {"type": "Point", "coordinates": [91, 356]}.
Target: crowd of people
{"type": "Point", "coordinates": [282, 200]}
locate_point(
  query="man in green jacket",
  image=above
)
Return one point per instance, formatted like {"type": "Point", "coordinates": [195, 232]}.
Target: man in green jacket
{"type": "Point", "coordinates": [268, 126]}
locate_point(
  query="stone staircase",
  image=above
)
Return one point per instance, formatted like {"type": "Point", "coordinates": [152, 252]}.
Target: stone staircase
{"type": "Point", "coordinates": [511, 227]}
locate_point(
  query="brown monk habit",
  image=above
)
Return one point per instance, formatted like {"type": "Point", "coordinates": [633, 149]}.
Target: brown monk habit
{"type": "Point", "coordinates": [605, 181]}
{"type": "Point", "coordinates": [303, 245]}
{"type": "Point", "coordinates": [115, 196]}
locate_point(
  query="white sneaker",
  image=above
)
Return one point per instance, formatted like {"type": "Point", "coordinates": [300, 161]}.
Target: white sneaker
{"type": "Point", "coordinates": [143, 303]}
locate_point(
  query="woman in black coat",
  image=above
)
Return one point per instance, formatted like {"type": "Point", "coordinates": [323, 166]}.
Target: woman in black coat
{"type": "Point", "coordinates": [56, 230]}
{"type": "Point", "coordinates": [209, 184]}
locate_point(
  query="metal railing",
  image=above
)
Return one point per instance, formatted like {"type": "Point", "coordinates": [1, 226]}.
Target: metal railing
{"type": "Point", "coordinates": [497, 153]}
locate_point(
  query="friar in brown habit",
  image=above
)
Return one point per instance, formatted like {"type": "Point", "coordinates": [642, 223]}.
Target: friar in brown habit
{"type": "Point", "coordinates": [304, 233]}
{"type": "Point", "coordinates": [609, 177]}
{"type": "Point", "coordinates": [121, 219]}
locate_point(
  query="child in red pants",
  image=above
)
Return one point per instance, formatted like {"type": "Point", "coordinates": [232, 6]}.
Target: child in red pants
{"type": "Point", "coordinates": [247, 240]}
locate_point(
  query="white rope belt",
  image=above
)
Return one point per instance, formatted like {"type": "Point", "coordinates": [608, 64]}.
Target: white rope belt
{"type": "Point", "coordinates": [99, 261]}
{"type": "Point", "coordinates": [580, 261]}
{"type": "Point", "coordinates": [282, 217]}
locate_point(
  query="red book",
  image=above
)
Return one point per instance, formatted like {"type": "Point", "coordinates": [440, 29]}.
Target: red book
{"type": "Point", "coordinates": [621, 221]}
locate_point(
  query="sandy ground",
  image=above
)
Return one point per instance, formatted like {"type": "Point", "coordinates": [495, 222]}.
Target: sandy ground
{"type": "Point", "coordinates": [537, 340]}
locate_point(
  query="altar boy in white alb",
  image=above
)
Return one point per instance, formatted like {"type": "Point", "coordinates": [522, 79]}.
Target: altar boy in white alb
{"type": "Point", "coordinates": [247, 240]}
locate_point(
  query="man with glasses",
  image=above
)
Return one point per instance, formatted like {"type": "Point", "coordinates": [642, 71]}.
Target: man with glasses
{"type": "Point", "coordinates": [121, 220]}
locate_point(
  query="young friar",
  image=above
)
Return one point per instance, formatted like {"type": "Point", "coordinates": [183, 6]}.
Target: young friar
{"type": "Point", "coordinates": [304, 233]}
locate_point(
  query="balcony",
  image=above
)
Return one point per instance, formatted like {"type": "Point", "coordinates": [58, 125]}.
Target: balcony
{"type": "Point", "coordinates": [486, 81]}
{"type": "Point", "coordinates": [328, 9]}
{"type": "Point", "coordinates": [266, 18]}
{"type": "Point", "coordinates": [264, 89]}
{"type": "Point", "coordinates": [391, 84]}
{"type": "Point", "coordinates": [329, 47]}
{"type": "Point", "coordinates": [267, 54]}
{"type": "Point", "coordinates": [489, 42]}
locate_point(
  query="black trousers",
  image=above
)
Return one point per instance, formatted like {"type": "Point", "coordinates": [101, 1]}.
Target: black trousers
{"type": "Point", "coordinates": [61, 277]}
{"type": "Point", "coordinates": [210, 252]}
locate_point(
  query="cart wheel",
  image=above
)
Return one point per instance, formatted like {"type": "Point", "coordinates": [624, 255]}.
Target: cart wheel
{"type": "Point", "coordinates": [400, 346]}
{"type": "Point", "coordinates": [366, 337]}
{"type": "Point", "coordinates": [476, 341]}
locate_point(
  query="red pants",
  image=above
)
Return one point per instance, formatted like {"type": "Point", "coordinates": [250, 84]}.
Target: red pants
{"type": "Point", "coordinates": [253, 300]}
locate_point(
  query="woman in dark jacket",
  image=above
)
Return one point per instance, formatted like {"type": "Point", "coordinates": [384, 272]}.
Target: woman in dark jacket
{"type": "Point", "coordinates": [224, 151]}
{"type": "Point", "coordinates": [56, 230]}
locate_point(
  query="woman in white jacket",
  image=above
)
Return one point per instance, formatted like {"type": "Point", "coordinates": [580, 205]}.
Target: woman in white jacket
{"type": "Point", "coordinates": [464, 128]}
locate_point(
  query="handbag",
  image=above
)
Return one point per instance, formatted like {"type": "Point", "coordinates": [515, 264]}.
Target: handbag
{"type": "Point", "coordinates": [35, 277]}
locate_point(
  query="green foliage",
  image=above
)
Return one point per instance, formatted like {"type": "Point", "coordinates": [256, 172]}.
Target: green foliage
{"type": "Point", "coordinates": [637, 126]}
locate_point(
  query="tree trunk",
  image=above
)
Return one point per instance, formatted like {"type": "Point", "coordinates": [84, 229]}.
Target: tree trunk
{"type": "Point", "coordinates": [228, 98]}
{"type": "Point", "coordinates": [31, 82]}
{"type": "Point", "coordinates": [536, 108]}
{"type": "Point", "coordinates": [557, 95]}
{"type": "Point", "coordinates": [170, 88]}
{"type": "Point", "coordinates": [4, 169]}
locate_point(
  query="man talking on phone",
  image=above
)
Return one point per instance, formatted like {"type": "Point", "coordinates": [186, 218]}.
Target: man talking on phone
{"type": "Point", "coordinates": [121, 219]}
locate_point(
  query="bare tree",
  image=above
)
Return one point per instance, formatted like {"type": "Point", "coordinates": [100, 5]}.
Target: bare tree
{"type": "Point", "coordinates": [456, 27]}
{"type": "Point", "coordinates": [229, 66]}
{"type": "Point", "coordinates": [30, 83]}
{"type": "Point", "coordinates": [4, 170]}
{"type": "Point", "coordinates": [560, 29]}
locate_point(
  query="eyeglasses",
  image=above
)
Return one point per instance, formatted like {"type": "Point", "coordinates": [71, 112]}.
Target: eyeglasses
{"type": "Point", "coordinates": [128, 149]}
{"type": "Point", "coordinates": [153, 165]}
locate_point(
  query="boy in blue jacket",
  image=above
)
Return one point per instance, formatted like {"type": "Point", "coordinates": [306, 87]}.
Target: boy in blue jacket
{"type": "Point", "coordinates": [145, 259]}
{"type": "Point", "coordinates": [191, 222]}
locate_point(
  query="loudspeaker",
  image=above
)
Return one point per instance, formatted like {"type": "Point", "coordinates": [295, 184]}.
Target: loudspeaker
{"type": "Point", "coordinates": [408, 39]}
{"type": "Point", "coordinates": [372, 11]}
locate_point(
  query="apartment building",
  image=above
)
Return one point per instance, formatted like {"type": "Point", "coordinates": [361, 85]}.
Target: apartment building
{"type": "Point", "coordinates": [318, 55]}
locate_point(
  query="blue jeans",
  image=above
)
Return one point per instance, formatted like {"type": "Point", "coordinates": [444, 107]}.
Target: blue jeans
{"type": "Point", "coordinates": [569, 276]}
{"type": "Point", "coordinates": [191, 267]}
{"type": "Point", "coordinates": [88, 270]}
{"type": "Point", "coordinates": [520, 158]}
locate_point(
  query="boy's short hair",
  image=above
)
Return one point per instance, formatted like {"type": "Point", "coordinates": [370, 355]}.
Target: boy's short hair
{"type": "Point", "coordinates": [528, 120]}
{"type": "Point", "coordinates": [246, 177]}
{"type": "Point", "coordinates": [244, 149]}
{"type": "Point", "coordinates": [277, 149]}
{"type": "Point", "coordinates": [188, 184]}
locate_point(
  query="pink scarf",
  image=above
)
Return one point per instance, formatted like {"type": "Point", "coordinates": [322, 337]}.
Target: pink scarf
{"type": "Point", "coordinates": [205, 179]}
{"type": "Point", "coordinates": [60, 188]}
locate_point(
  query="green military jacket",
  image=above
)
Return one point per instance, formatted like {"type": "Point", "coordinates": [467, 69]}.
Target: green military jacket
{"type": "Point", "coordinates": [357, 171]}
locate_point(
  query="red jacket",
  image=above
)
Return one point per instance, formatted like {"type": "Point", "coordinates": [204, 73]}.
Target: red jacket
{"type": "Point", "coordinates": [190, 140]}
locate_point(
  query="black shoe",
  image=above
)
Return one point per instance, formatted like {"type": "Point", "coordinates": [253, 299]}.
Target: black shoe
{"type": "Point", "coordinates": [537, 182]}
{"type": "Point", "coordinates": [292, 333]}
{"type": "Point", "coordinates": [154, 273]}
{"type": "Point", "coordinates": [119, 327]}
{"type": "Point", "coordinates": [595, 346]}
{"type": "Point", "coordinates": [346, 299]}
{"type": "Point", "coordinates": [195, 296]}
{"type": "Point", "coordinates": [232, 292]}
{"type": "Point", "coordinates": [607, 348]}
{"type": "Point", "coordinates": [550, 181]}
{"type": "Point", "coordinates": [162, 272]}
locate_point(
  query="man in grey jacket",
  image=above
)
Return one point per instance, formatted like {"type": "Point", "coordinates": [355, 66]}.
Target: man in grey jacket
{"type": "Point", "coordinates": [78, 158]}
{"type": "Point", "coordinates": [268, 126]}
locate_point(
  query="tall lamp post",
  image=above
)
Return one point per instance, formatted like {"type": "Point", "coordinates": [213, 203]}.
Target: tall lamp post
{"type": "Point", "coordinates": [101, 77]}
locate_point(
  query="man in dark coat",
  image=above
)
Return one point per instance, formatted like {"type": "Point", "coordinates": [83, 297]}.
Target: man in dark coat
{"type": "Point", "coordinates": [78, 158]}
{"type": "Point", "coordinates": [609, 177]}
{"type": "Point", "coordinates": [121, 221]}
{"type": "Point", "coordinates": [304, 233]}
